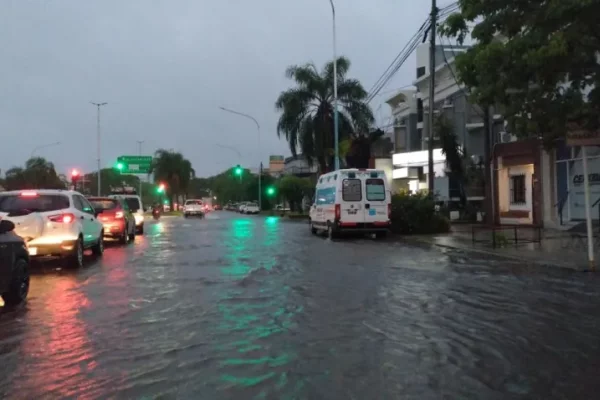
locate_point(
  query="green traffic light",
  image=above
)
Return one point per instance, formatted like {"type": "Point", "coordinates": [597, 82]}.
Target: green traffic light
{"type": "Point", "coordinates": [120, 166]}
{"type": "Point", "coordinates": [238, 170]}
{"type": "Point", "coordinates": [270, 191]}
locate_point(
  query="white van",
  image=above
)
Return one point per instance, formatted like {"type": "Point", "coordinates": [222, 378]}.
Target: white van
{"type": "Point", "coordinates": [351, 200]}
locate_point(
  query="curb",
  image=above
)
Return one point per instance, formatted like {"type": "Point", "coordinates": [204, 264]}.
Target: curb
{"type": "Point", "coordinates": [502, 256]}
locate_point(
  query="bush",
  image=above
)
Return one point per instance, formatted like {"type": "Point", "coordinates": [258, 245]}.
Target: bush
{"type": "Point", "coordinates": [415, 214]}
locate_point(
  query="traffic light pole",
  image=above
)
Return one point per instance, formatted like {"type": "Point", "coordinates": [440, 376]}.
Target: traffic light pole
{"type": "Point", "coordinates": [98, 105]}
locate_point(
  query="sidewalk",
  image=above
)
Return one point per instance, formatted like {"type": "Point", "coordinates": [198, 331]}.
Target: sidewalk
{"type": "Point", "coordinates": [557, 248]}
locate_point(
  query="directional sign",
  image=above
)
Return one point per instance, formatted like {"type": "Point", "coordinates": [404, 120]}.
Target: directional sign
{"type": "Point", "coordinates": [135, 164]}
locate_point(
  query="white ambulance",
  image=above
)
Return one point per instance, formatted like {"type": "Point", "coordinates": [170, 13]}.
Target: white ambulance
{"type": "Point", "coordinates": [349, 200]}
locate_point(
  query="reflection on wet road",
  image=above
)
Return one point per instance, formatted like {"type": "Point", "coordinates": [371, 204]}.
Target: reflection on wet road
{"type": "Point", "coordinates": [251, 307]}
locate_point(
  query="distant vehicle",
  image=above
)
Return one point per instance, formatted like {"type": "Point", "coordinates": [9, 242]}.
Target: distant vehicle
{"type": "Point", "coordinates": [134, 202]}
{"type": "Point", "coordinates": [251, 208]}
{"type": "Point", "coordinates": [58, 223]}
{"type": "Point", "coordinates": [281, 208]}
{"type": "Point", "coordinates": [217, 207]}
{"type": "Point", "coordinates": [116, 217]}
{"type": "Point", "coordinates": [351, 200]}
{"type": "Point", "coordinates": [14, 265]}
{"type": "Point", "coordinates": [193, 207]}
{"type": "Point", "coordinates": [242, 208]}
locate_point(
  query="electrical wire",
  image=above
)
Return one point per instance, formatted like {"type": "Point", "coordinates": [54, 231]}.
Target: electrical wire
{"type": "Point", "coordinates": [408, 49]}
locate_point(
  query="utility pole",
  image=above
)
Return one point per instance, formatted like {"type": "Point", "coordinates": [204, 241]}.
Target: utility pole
{"type": "Point", "coordinates": [98, 105]}
{"type": "Point", "coordinates": [488, 128]}
{"type": "Point", "coordinates": [336, 135]}
{"type": "Point", "coordinates": [139, 142]}
{"type": "Point", "coordinates": [431, 94]}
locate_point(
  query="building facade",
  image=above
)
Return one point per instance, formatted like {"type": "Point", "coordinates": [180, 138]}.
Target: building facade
{"type": "Point", "coordinates": [299, 166]}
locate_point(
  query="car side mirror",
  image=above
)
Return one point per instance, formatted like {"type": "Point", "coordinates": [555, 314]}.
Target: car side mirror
{"type": "Point", "coordinates": [6, 226]}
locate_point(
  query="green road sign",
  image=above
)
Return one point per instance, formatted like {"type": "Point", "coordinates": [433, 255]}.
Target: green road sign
{"type": "Point", "coordinates": [134, 164]}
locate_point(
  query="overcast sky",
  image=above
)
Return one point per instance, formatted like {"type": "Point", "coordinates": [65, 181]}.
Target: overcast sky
{"type": "Point", "coordinates": [165, 66]}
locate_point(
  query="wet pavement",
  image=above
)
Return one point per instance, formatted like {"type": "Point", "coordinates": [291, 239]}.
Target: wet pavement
{"type": "Point", "coordinates": [237, 307]}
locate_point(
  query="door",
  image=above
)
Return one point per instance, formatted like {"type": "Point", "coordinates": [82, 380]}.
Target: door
{"type": "Point", "coordinates": [95, 226]}
{"type": "Point", "coordinates": [375, 201]}
{"type": "Point", "coordinates": [86, 219]}
{"type": "Point", "coordinates": [351, 206]}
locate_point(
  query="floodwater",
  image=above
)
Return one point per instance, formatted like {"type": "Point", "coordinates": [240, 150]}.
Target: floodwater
{"type": "Point", "coordinates": [243, 307]}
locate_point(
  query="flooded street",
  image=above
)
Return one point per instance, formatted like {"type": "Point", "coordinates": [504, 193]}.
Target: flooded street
{"type": "Point", "coordinates": [238, 307]}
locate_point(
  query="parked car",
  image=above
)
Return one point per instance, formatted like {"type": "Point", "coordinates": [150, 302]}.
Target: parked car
{"type": "Point", "coordinates": [281, 208]}
{"type": "Point", "coordinates": [59, 223]}
{"type": "Point", "coordinates": [116, 217]}
{"type": "Point", "coordinates": [251, 208]}
{"type": "Point", "coordinates": [352, 200]}
{"type": "Point", "coordinates": [193, 207]}
{"type": "Point", "coordinates": [242, 208]}
{"type": "Point", "coordinates": [14, 265]}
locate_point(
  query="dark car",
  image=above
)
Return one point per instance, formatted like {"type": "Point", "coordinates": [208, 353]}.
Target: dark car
{"type": "Point", "coordinates": [14, 265]}
{"type": "Point", "coordinates": [117, 218]}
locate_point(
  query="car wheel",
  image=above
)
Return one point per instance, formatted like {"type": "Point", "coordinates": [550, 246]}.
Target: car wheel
{"type": "Point", "coordinates": [331, 233]}
{"type": "Point", "coordinates": [75, 259]}
{"type": "Point", "coordinates": [313, 230]}
{"type": "Point", "coordinates": [132, 234]}
{"type": "Point", "coordinates": [124, 238]}
{"type": "Point", "coordinates": [19, 284]}
{"type": "Point", "coordinates": [98, 248]}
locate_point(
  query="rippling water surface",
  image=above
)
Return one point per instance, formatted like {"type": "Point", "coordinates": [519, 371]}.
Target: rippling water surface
{"type": "Point", "coordinates": [250, 307]}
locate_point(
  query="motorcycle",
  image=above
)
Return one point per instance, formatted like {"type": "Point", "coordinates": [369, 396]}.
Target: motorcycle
{"type": "Point", "coordinates": [156, 213]}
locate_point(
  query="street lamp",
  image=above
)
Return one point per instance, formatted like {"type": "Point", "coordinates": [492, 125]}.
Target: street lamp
{"type": "Point", "coordinates": [98, 105]}
{"type": "Point", "coordinates": [260, 167]}
{"type": "Point", "coordinates": [43, 146]}
{"type": "Point", "coordinates": [336, 136]}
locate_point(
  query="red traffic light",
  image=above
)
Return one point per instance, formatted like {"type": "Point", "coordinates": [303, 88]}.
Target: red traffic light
{"type": "Point", "coordinates": [75, 173]}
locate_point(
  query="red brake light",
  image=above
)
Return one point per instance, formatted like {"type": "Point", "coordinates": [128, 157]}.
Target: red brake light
{"type": "Point", "coordinates": [338, 212]}
{"type": "Point", "coordinates": [119, 215]}
{"type": "Point", "coordinates": [62, 218]}
{"type": "Point", "coordinates": [29, 194]}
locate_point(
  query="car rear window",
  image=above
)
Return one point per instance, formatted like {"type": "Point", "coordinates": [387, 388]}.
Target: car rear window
{"type": "Point", "coordinates": [132, 203]}
{"type": "Point", "coordinates": [193, 203]}
{"type": "Point", "coordinates": [104, 204]}
{"type": "Point", "coordinates": [351, 190]}
{"type": "Point", "coordinates": [375, 190]}
{"type": "Point", "coordinates": [33, 203]}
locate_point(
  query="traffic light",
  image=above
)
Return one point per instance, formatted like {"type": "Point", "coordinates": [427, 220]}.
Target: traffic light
{"type": "Point", "coordinates": [271, 191]}
{"type": "Point", "coordinates": [75, 175]}
{"type": "Point", "coordinates": [238, 171]}
{"type": "Point", "coordinates": [161, 188]}
{"type": "Point", "coordinates": [120, 166]}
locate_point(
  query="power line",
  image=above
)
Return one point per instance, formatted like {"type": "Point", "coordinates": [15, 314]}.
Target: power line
{"type": "Point", "coordinates": [407, 51]}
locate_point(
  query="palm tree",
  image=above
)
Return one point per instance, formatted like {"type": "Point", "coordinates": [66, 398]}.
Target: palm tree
{"type": "Point", "coordinates": [173, 169]}
{"type": "Point", "coordinates": [306, 118]}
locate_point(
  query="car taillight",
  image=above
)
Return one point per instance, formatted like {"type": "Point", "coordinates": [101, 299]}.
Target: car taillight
{"type": "Point", "coordinates": [390, 211]}
{"type": "Point", "coordinates": [62, 218]}
{"type": "Point", "coordinates": [119, 215]}
{"type": "Point", "coordinates": [338, 211]}
{"type": "Point", "coordinates": [29, 193]}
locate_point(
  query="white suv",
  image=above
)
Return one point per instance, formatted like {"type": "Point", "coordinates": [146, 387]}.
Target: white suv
{"type": "Point", "coordinates": [193, 207]}
{"type": "Point", "coordinates": [251, 208]}
{"type": "Point", "coordinates": [54, 223]}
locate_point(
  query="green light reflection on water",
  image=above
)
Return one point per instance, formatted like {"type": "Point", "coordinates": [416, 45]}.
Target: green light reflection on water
{"type": "Point", "coordinates": [251, 315]}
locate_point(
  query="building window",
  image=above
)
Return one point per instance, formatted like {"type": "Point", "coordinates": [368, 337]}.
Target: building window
{"type": "Point", "coordinates": [420, 72]}
{"type": "Point", "coordinates": [517, 189]}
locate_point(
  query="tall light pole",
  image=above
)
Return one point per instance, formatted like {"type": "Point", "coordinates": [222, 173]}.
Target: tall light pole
{"type": "Point", "coordinates": [260, 167]}
{"type": "Point", "coordinates": [140, 142]}
{"type": "Point", "coordinates": [98, 105]}
{"type": "Point", "coordinates": [336, 136]}
{"type": "Point", "coordinates": [43, 146]}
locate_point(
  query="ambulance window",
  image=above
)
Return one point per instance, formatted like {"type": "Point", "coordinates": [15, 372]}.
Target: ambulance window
{"type": "Point", "coordinates": [375, 190]}
{"type": "Point", "coordinates": [351, 190]}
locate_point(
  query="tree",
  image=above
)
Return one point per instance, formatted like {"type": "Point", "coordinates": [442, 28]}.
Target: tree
{"type": "Point", "coordinates": [359, 149]}
{"type": "Point", "coordinates": [38, 173]}
{"type": "Point", "coordinates": [537, 59]}
{"type": "Point", "coordinates": [174, 170]}
{"type": "Point", "coordinates": [294, 189]}
{"type": "Point", "coordinates": [306, 118]}
{"type": "Point", "coordinates": [456, 158]}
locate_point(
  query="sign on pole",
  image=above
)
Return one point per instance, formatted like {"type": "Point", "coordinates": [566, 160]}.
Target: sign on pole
{"type": "Point", "coordinates": [135, 164]}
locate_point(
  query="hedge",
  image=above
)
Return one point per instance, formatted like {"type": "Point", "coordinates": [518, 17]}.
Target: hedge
{"type": "Point", "coordinates": [416, 214]}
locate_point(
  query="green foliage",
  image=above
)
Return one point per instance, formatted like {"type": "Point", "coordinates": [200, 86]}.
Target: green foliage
{"type": "Point", "coordinates": [293, 189]}
{"type": "Point", "coordinates": [38, 173]}
{"type": "Point", "coordinates": [174, 170]}
{"type": "Point", "coordinates": [537, 60]}
{"type": "Point", "coordinates": [306, 118]}
{"type": "Point", "coordinates": [415, 214]}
